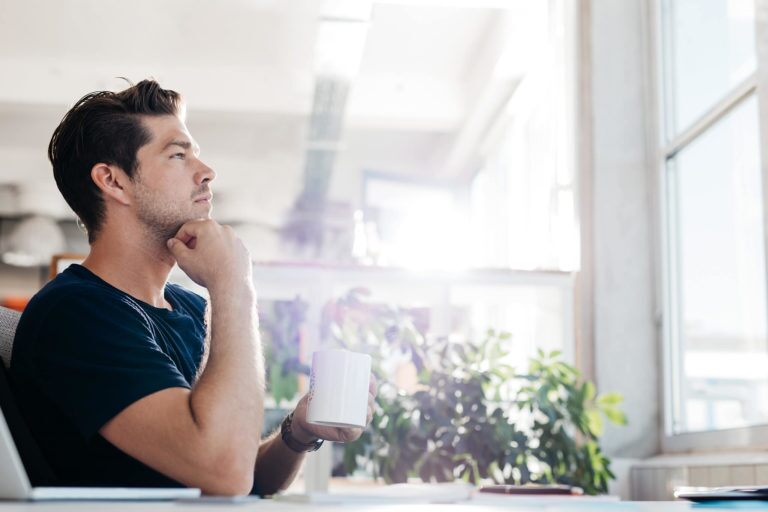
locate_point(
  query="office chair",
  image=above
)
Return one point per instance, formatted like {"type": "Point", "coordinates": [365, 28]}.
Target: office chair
{"type": "Point", "coordinates": [39, 471]}
{"type": "Point", "coordinates": [9, 319]}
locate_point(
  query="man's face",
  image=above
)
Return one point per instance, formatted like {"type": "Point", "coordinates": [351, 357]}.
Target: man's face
{"type": "Point", "coordinates": [172, 184]}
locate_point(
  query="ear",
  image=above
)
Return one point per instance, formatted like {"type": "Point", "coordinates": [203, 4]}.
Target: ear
{"type": "Point", "coordinates": [111, 180]}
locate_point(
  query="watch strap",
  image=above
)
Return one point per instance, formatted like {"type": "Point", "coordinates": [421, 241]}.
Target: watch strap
{"type": "Point", "coordinates": [286, 433]}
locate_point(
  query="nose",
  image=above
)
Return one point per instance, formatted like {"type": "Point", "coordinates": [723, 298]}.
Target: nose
{"type": "Point", "coordinates": [205, 174]}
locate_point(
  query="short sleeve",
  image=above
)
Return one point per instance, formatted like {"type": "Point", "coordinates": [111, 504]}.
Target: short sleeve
{"type": "Point", "coordinates": [96, 355]}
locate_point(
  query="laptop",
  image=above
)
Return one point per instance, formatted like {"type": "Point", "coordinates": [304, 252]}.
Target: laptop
{"type": "Point", "coordinates": [15, 484]}
{"type": "Point", "coordinates": [16, 478]}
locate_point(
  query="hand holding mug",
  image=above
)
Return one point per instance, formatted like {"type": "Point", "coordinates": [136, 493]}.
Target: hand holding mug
{"type": "Point", "coordinates": [341, 397]}
{"type": "Point", "coordinates": [307, 432]}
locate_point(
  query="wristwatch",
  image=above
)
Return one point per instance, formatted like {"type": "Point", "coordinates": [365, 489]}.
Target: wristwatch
{"type": "Point", "coordinates": [294, 444]}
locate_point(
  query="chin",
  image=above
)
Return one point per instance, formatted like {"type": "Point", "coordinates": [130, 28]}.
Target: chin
{"type": "Point", "coordinates": [205, 213]}
{"type": "Point", "coordinates": [204, 209]}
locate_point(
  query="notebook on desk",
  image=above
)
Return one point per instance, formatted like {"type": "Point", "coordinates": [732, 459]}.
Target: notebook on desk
{"type": "Point", "coordinates": [705, 494]}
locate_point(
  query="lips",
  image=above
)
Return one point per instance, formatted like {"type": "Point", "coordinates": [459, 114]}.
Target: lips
{"type": "Point", "coordinates": [206, 197]}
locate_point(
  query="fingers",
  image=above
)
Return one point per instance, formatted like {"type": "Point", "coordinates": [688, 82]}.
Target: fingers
{"type": "Point", "coordinates": [351, 434]}
{"type": "Point", "coordinates": [178, 248]}
{"type": "Point", "coordinates": [373, 386]}
{"type": "Point", "coordinates": [189, 230]}
{"type": "Point", "coordinates": [187, 234]}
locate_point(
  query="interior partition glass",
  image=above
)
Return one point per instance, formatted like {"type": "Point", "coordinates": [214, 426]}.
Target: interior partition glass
{"type": "Point", "coordinates": [717, 267]}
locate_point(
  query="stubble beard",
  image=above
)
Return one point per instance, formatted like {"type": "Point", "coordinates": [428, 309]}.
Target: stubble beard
{"type": "Point", "coordinates": [162, 218]}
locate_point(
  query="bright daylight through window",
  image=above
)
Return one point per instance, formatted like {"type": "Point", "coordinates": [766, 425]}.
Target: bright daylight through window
{"type": "Point", "coordinates": [714, 257]}
{"type": "Point", "coordinates": [518, 208]}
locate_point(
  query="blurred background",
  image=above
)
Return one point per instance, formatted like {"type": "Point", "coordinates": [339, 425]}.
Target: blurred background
{"type": "Point", "coordinates": [586, 175]}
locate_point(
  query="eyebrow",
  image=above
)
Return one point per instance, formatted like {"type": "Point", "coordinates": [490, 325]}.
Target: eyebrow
{"type": "Point", "coordinates": [182, 143]}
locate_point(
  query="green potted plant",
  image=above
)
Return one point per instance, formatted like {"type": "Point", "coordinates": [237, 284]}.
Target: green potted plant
{"type": "Point", "coordinates": [470, 415]}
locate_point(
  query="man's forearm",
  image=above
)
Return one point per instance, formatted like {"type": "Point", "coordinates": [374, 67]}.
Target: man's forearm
{"type": "Point", "coordinates": [276, 465]}
{"type": "Point", "coordinates": [227, 401]}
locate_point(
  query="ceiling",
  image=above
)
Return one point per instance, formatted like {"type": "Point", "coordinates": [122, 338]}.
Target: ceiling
{"type": "Point", "coordinates": [426, 90]}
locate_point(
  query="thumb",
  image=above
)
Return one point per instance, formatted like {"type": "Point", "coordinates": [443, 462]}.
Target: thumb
{"type": "Point", "coordinates": [177, 247]}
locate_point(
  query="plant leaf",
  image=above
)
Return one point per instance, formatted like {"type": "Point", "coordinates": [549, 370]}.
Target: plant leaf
{"type": "Point", "coordinates": [589, 391]}
{"type": "Point", "coordinates": [595, 422]}
{"type": "Point", "coordinates": [610, 399]}
{"type": "Point", "coordinates": [615, 416]}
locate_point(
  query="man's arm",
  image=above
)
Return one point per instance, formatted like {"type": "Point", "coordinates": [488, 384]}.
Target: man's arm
{"type": "Point", "coordinates": [204, 437]}
{"type": "Point", "coordinates": [277, 465]}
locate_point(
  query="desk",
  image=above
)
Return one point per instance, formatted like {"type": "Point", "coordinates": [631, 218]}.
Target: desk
{"type": "Point", "coordinates": [275, 506]}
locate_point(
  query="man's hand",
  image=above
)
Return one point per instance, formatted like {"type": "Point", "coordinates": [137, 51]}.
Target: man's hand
{"type": "Point", "coordinates": [306, 432]}
{"type": "Point", "coordinates": [211, 254]}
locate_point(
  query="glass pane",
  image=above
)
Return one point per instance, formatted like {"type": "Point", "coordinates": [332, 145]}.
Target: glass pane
{"type": "Point", "coordinates": [718, 276]}
{"type": "Point", "coordinates": [710, 47]}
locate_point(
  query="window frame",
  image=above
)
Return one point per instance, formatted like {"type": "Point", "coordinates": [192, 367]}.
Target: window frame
{"type": "Point", "coordinates": [662, 151]}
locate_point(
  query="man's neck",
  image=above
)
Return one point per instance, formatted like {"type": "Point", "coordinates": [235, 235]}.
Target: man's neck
{"type": "Point", "coordinates": [138, 267]}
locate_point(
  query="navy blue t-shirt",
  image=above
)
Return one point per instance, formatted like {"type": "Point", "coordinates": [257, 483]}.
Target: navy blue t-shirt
{"type": "Point", "coordinates": [83, 352]}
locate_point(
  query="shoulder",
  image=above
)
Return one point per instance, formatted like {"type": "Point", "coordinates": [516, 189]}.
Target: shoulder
{"type": "Point", "coordinates": [75, 291]}
{"type": "Point", "coordinates": [74, 309]}
{"type": "Point", "coordinates": [65, 290]}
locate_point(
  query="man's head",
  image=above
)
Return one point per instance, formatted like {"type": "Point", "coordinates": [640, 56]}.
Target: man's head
{"type": "Point", "coordinates": [133, 149]}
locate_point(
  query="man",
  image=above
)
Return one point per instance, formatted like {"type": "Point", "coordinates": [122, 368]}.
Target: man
{"type": "Point", "coordinates": [126, 380]}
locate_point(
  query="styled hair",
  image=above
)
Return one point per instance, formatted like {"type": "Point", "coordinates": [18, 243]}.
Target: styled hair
{"type": "Point", "coordinates": [104, 127]}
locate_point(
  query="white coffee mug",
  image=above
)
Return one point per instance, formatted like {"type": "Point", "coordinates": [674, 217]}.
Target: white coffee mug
{"type": "Point", "coordinates": [338, 388]}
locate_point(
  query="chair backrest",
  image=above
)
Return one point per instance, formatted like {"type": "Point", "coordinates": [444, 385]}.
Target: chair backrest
{"type": "Point", "coordinates": [38, 470]}
{"type": "Point", "coordinates": [9, 319]}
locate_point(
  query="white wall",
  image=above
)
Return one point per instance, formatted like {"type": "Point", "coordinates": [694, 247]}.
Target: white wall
{"type": "Point", "coordinates": [625, 348]}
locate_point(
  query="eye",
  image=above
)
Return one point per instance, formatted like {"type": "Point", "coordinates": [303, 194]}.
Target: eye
{"type": "Point", "coordinates": [180, 156]}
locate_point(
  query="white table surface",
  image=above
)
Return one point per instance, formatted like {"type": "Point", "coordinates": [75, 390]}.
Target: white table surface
{"type": "Point", "coordinates": [575, 505]}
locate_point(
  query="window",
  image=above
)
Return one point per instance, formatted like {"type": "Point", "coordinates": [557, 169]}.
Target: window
{"type": "Point", "coordinates": [714, 261]}
{"type": "Point", "coordinates": [709, 46]}
{"type": "Point", "coordinates": [416, 225]}
{"type": "Point", "coordinates": [523, 200]}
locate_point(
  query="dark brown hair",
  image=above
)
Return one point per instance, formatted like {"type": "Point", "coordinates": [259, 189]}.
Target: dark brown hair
{"type": "Point", "coordinates": [104, 127]}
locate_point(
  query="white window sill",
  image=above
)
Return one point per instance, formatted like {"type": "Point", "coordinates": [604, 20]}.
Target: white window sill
{"type": "Point", "coordinates": [704, 459]}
